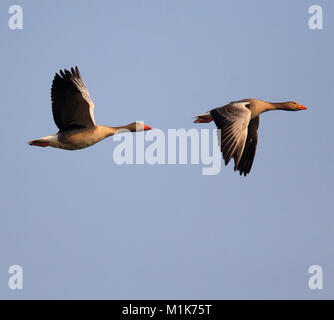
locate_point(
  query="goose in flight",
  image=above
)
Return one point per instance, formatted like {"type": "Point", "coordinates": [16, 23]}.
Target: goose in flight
{"type": "Point", "coordinates": [238, 122]}
{"type": "Point", "coordinates": [73, 113]}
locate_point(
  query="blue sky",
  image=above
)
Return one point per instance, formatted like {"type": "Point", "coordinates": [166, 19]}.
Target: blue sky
{"type": "Point", "coordinates": [84, 227]}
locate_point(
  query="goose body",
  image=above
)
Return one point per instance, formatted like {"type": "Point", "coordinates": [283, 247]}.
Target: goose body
{"type": "Point", "coordinates": [238, 122]}
{"type": "Point", "coordinates": [73, 113]}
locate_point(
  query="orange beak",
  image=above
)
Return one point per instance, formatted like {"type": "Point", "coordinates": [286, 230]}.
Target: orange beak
{"type": "Point", "coordinates": [203, 120]}
{"type": "Point", "coordinates": [147, 127]}
{"type": "Point", "coordinates": [302, 107]}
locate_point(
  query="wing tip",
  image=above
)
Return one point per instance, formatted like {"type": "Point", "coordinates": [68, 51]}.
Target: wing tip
{"type": "Point", "coordinates": [69, 73]}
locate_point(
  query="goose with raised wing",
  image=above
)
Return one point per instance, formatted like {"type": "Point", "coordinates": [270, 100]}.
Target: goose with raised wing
{"type": "Point", "coordinates": [73, 113]}
{"type": "Point", "coordinates": [238, 122]}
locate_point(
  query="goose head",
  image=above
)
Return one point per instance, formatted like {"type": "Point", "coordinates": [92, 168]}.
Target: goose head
{"type": "Point", "coordinates": [139, 126]}
{"type": "Point", "coordinates": [293, 106]}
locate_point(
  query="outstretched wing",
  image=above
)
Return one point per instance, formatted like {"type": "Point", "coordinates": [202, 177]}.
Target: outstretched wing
{"type": "Point", "coordinates": [232, 120]}
{"type": "Point", "coordinates": [248, 154]}
{"type": "Point", "coordinates": [71, 104]}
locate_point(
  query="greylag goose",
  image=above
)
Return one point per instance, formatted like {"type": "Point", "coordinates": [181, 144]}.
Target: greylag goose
{"type": "Point", "coordinates": [73, 113]}
{"type": "Point", "coordinates": [238, 122]}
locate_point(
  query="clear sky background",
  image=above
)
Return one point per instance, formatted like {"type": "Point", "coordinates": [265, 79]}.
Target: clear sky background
{"type": "Point", "coordinates": [82, 226]}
